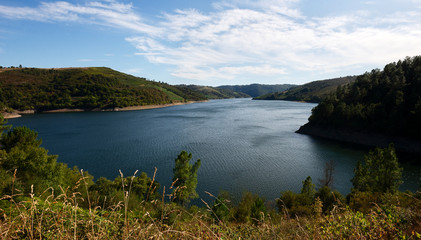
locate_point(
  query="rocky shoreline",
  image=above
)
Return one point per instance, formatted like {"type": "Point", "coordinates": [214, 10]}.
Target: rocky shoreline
{"type": "Point", "coordinates": [403, 144]}
{"type": "Point", "coordinates": [17, 114]}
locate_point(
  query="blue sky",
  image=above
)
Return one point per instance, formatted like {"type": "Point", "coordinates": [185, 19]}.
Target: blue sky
{"type": "Point", "coordinates": [212, 42]}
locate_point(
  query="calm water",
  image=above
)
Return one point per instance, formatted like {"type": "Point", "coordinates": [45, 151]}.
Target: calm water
{"type": "Point", "coordinates": [243, 145]}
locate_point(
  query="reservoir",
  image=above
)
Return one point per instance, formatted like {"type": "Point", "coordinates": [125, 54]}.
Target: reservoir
{"type": "Point", "coordinates": [243, 145]}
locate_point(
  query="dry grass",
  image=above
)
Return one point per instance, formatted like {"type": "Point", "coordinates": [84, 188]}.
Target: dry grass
{"type": "Point", "coordinates": [58, 215]}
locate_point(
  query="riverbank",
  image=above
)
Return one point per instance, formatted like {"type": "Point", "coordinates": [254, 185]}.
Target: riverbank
{"type": "Point", "coordinates": [16, 114]}
{"type": "Point", "coordinates": [402, 144]}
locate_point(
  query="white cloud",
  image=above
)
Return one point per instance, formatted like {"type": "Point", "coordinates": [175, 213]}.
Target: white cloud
{"type": "Point", "coordinates": [245, 38]}
{"type": "Point", "coordinates": [284, 7]}
{"type": "Point", "coordinates": [234, 42]}
{"type": "Point", "coordinates": [253, 38]}
{"type": "Point", "coordinates": [109, 13]}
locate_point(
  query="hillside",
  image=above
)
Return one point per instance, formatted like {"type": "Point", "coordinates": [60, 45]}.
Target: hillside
{"type": "Point", "coordinates": [378, 108]}
{"type": "Point", "coordinates": [310, 92]}
{"type": "Point", "coordinates": [216, 93]}
{"type": "Point", "coordinates": [255, 90]}
{"type": "Point", "coordinates": [83, 88]}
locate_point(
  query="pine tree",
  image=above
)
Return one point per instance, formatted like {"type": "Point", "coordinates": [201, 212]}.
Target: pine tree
{"type": "Point", "coordinates": [185, 178]}
{"type": "Point", "coordinates": [308, 190]}
{"type": "Point", "coordinates": [380, 172]}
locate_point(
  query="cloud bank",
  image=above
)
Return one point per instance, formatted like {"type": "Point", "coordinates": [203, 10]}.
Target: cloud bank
{"type": "Point", "coordinates": [247, 39]}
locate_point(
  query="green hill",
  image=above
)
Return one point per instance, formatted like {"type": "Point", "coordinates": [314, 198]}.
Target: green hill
{"type": "Point", "coordinates": [216, 93]}
{"type": "Point", "coordinates": [310, 92]}
{"type": "Point", "coordinates": [254, 90]}
{"type": "Point", "coordinates": [378, 108]}
{"type": "Point", "coordinates": [85, 88]}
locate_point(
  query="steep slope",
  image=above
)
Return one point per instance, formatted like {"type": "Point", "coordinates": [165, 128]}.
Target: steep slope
{"type": "Point", "coordinates": [310, 92]}
{"type": "Point", "coordinates": [85, 88]}
{"type": "Point", "coordinates": [378, 108]}
{"type": "Point", "coordinates": [255, 90]}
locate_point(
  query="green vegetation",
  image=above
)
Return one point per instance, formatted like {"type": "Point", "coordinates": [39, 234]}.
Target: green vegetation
{"type": "Point", "coordinates": [41, 198]}
{"type": "Point", "coordinates": [85, 88]}
{"type": "Point", "coordinates": [384, 102]}
{"type": "Point", "coordinates": [20, 149]}
{"type": "Point", "coordinates": [310, 92]}
{"type": "Point", "coordinates": [216, 92]}
{"type": "Point", "coordinates": [380, 173]}
{"type": "Point", "coordinates": [254, 90]}
{"type": "Point", "coordinates": [185, 178]}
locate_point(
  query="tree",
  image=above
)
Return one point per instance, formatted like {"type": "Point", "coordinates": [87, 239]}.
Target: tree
{"type": "Point", "coordinates": [308, 190]}
{"type": "Point", "coordinates": [20, 136]}
{"type": "Point", "coordinates": [221, 207]}
{"type": "Point", "coordinates": [379, 173]}
{"type": "Point", "coordinates": [34, 165]}
{"type": "Point", "coordinates": [298, 204]}
{"type": "Point", "coordinates": [258, 210]}
{"type": "Point", "coordinates": [329, 198]}
{"type": "Point", "coordinates": [243, 211]}
{"type": "Point", "coordinates": [108, 193]}
{"type": "Point", "coordinates": [185, 178]}
{"type": "Point", "coordinates": [20, 150]}
{"type": "Point", "coordinates": [5, 176]}
{"type": "Point", "coordinates": [287, 200]}
{"type": "Point", "coordinates": [3, 125]}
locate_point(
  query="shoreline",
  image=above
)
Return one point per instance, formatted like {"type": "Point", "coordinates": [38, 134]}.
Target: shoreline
{"type": "Point", "coordinates": [17, 114]}
{"type": "Point", "coordinates": [402, 144]}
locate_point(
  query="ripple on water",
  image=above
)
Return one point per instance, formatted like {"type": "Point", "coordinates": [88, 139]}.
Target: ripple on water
{"type": "Point", "coordinates": [243, 145]}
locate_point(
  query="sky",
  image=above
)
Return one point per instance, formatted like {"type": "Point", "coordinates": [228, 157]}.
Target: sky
{"type": "Point", "coordinates": [212, 42]}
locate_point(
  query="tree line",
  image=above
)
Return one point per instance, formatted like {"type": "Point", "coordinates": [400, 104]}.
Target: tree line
{"type": "Point", "coordinates": [386, 101]}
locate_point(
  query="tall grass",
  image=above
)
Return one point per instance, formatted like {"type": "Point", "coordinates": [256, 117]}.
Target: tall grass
{"type": "Point", "coordinates": [58, 214]}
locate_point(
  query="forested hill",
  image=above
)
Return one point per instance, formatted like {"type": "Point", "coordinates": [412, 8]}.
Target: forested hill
{"type": "Point", "coordinates": [255, 90]}
{"type": "Point", "coordinates": [386, 103]}
{"type": "Point", "coordinates": [216, 93]}
{"type": "Point", "coordinates": [310, 92]}
{"type": "Point", "coordinates": [85, 88]}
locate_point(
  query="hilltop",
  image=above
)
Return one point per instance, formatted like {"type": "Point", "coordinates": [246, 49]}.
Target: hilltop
{"type": "Point", "coordinates": [93, 88]}
{"type": "Point", "coordinates": [310, 92]}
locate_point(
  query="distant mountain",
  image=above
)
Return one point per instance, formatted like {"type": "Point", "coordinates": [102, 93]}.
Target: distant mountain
{"type": "Point", "coordinates": [85, 88]}
{"type": "Point", "coordinates": [216, 93]}
{"type": "Point", "coordinates": [310, 92]}
{"type": "Point", "coordinates": [255, 90]}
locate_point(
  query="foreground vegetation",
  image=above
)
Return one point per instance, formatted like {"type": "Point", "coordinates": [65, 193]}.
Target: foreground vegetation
{"type": "Point", "coordinates": [44, 199]}
{"type": "Point", "coordinates": [60, 216]}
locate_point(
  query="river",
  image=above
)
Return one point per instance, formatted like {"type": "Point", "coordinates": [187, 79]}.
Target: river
{"type": "Point", "coordinates": [243, 145]}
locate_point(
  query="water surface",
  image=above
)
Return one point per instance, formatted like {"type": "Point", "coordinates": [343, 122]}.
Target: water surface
{"type": "Point", "coordinates": [244, 145]}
